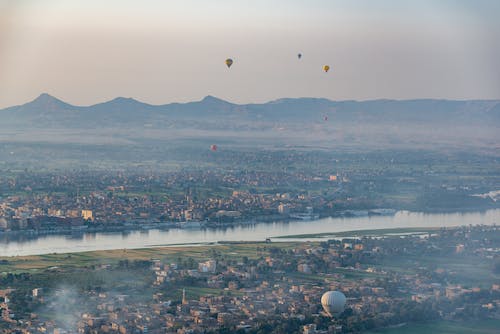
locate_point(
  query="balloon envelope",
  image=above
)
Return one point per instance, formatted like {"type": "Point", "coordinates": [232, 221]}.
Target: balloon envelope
{"type": "Point", "coordinates": [213, 148]}
{"type": "Point", "coordinates": [299, 55]}
{"type": "Point", "coordinates": [326, 68]}
{"type": "Point", "coordinates": [333, 302]}
{"type": "Point", "coordinates": [229, 62]}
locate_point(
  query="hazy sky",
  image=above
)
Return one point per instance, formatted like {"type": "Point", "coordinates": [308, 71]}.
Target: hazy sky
{"type": "Point", "coordinates": [89, 51]}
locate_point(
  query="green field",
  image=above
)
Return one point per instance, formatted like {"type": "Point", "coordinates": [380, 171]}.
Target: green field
{"type": "Point", "coordinates": [446, 327]}
{"type": "Point", "coordinates": [235, 251]}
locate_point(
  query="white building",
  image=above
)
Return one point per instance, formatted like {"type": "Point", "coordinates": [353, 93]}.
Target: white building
{"type": "Point", "coordinates": [207, 266]}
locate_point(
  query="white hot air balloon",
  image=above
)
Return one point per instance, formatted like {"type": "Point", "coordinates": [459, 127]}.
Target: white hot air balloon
{"type": "Point", "coordinates": [333, 302]}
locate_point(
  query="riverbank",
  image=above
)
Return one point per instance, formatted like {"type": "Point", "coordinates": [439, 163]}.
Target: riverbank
{"type": "Point", "coordinates": [57, 261]}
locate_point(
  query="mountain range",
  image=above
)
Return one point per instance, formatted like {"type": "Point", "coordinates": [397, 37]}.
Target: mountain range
{"type": "Point", "coordinates": [212, 113]}
{"type": "Point", "coordinates": [289, 122]}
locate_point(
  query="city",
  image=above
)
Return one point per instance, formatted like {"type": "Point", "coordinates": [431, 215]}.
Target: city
{"type": "Point", "coordinates": [358, 184]}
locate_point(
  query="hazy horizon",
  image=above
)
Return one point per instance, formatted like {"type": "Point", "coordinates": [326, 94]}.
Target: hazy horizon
{"type": "Point", "coordinates": [87, 52]}
{"type": "Point", "coordinates": [63, 99]}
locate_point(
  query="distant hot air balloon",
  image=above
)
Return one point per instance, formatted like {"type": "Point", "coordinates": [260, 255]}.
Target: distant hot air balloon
{"type": "Point", "coordinates": [326, 68]}
{"type": "Point", "coordinates": [229, 62]}
{"type": "Point", "coordinates": [299, 55]}
{"type": "Point", "coordinates": [333, 302]}
{"type": "Point", "coordinates": [213, 148]}
{"type": "Point", "coordinates": [325, 118]}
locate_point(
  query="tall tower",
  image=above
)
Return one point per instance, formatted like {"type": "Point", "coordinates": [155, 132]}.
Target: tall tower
{"type": "Point", "coordinates": [184, 300]}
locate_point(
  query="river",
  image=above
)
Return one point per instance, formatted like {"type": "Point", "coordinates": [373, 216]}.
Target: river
{"type": "Point", "coordinates": [10, 246]}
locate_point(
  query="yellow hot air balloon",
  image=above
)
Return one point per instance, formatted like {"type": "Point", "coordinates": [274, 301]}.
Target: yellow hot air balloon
{"type": "Point", "coordinates": [229, 62]}
{"type": "Point", "coordinates": [326, 68]}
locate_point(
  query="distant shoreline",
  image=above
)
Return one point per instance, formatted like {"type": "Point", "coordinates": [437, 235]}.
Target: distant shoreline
{"type": "Point", "coordinates": [175, 225]}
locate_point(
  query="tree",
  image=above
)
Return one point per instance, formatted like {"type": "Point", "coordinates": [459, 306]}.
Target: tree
{"type": "Point", "coordinates": [496, 267]}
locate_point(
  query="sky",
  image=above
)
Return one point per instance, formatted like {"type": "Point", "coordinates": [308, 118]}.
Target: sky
{"type": "Point", "coordinates": [161, 51]}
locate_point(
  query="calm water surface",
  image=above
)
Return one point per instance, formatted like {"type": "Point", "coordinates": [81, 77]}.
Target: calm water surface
{"type": "Point", "coordinates": [254, 232]}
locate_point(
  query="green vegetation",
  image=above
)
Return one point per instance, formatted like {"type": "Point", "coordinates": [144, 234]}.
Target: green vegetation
{"type": "Point", "coordinates": [489, 326]}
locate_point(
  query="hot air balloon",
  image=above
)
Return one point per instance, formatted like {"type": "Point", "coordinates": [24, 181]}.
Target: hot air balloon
{"type": "Point", "coordinates": [299, 55]}
{"type": "Point", "coordinates": [213, 148]}
{"type": "Point", "coordinates": [333, 302]}
{"type": "Point", "coordinates": [229, 62]}
{"type": "Point", "coordinates": [325, 118]}
{"type": "Point", "coordinates": [326, 68]}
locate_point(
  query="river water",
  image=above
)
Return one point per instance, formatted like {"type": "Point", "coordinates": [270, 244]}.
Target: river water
{"type": "Point", "coordinates": [10, 246]}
